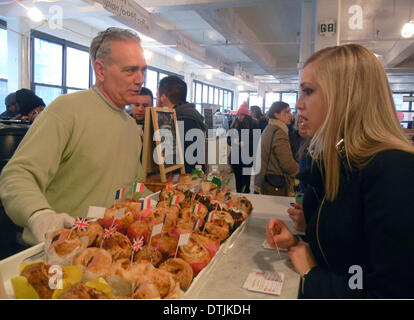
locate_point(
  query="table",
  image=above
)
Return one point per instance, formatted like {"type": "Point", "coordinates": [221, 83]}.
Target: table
{"type": "Point", "coordinates": [226, 278]}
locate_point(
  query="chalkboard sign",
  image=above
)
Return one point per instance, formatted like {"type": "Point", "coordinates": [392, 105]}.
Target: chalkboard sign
{"type": "Point", "coordinates": [167, 154]}
{"type": "Point", "coordinates": [208, 118]}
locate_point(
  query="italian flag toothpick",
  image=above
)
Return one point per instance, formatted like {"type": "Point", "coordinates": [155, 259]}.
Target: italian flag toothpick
{"type": "Point", "coordinates": [174, 200]}
{"type": "Point", "coordinates": [138, 187]}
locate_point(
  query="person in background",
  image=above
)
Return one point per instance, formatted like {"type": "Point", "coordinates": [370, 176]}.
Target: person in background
{"type": "Point", "coordinates": [145, 100]}
{"type": "Point", "coordinates": [83, 147]}
{"type": "Point", "coordinates": [12, 107]}
{"type": "Point", "coordinates": [172, 93]}
{"type": "Point", "coordinates": [411, 124]}
{"type": "Point", "coordinates": [355, 212]}
{"type": "Point", "coordinates": [276, 154]}
{"type": "Point", "coordinates": [241, 122]}
{"type": "Point", "coordinates": [259, 118]}
{"type": "Point", "coordinates": [30, 104]}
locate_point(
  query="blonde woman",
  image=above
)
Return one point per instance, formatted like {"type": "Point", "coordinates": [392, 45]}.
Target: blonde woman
{"type": "Point", "coordinates": [359, 221]}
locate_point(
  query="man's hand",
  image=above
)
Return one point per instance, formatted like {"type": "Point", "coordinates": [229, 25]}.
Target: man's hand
{"type": "Point", "coordinates": [47, 220]}
{"type": "Point", "coordinates": [279, 236]}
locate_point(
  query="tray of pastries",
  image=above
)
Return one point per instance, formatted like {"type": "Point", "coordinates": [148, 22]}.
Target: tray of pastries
{"type": "Point", "coordinates": [119, 256]}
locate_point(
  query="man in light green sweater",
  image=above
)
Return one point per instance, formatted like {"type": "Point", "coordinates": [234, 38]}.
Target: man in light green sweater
{"type": "Point", "coordinates": [82, 148]}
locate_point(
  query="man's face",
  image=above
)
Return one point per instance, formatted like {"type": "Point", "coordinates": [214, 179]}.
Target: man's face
{"type": "Point", "coordinates": [121, 77]}
{"type": "Point", "coordinates": [138, 109]}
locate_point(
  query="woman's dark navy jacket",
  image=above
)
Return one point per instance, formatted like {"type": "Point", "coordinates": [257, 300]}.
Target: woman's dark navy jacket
{"type": "Point", "coordinates": [370, 224]}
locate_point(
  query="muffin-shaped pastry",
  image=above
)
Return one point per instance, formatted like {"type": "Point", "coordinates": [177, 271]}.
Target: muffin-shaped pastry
{"type": "Point", "coordinates": [219, 228]}
{"type": "Point", "coordinates": [170, 219]}
{"type": "Point", "coordinates": [167, 195]}
{"type": "Point", "coordinates": [60, 250]}
{"type": "Point", "coordinates": [94, 262]}
{"type": "Point", "coordinates": [123, 274]}
{"type": "Point", "coordinates": [81, 291]}
{"type": "Point", "coordinates": [143, 288]}
{"type": "Point", "coordinates": [139, 229]}
{"type": "Point", "coordinates": [209, 241]}
{"type": "Point", "coordinates": [149, 254]}
{"type": "Point", "coordinates": [225, 216]}
{"type": "Point", "coordinates": [243, 204]}
{"type": "Point", "coordinates": [165, 243]}
{"type": "Point", "coordinates": [195, 254]}
{"type": "Point", "coordinates": [196, 210]}
{"type": "Point", "coordinates": [165, 205]}
{"type": "Point", "coordinates": [165, 283]}
{"type": "Point", "coordinates": [94, 234]}
{"type": "Point", "coordinates": [37, 275]}
{"type": "Point", "coordinates": [180, 270]}
{"type": "Point", "coordinates": [118, 245]}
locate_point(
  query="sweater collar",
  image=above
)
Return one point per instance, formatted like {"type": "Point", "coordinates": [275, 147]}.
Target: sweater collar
{"type": "Point", "coordinates": [280, 124]}
{"type": "Point", "coordinates": [95, 88]}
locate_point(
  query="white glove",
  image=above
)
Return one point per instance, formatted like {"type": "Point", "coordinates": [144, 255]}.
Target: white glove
{"type": "Point", "coordinates": [47, 220]}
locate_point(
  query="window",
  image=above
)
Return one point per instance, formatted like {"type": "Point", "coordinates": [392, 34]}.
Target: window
{"type": "Point", "coordinates": [208, 94]}
{"type": "Point", "coordinates": [3, 65]}
{"type": "Point", "coordinates": [58, 66]}
{"type": "Point", "coordinates": [404, 103]}
{"type": "Point", "coordinates": [288, 97]}
{"type": "Point", "coordinates": [153, 77]}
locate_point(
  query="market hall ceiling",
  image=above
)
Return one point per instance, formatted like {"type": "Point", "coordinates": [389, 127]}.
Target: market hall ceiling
{"type": "Point", "coordinates": [258, 40]}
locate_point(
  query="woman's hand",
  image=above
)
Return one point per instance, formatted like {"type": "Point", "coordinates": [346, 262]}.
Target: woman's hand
{"type": "Point", "coordinates": [279, 236]}
{"type": "Point", "coordinates": [297, 216]}
{"type": "Point", "coordinates": [302, 258]}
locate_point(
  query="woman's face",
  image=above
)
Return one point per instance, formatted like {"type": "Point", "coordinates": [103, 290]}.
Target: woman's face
{"type": "Point", "coordinates": [284, 116]}
{"type": "Point", "coordinates": [311, 104]}
{"type": "Point", "coordinates": [241, 117]}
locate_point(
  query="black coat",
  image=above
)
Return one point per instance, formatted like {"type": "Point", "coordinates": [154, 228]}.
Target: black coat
{"type": "Point", "coordinates": [369, 224]}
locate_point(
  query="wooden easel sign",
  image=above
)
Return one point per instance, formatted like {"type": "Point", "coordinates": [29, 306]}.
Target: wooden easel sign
{"type": "Point", "coordinates": [168, 153]}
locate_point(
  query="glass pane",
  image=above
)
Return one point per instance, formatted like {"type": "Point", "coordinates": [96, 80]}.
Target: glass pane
{"type": "Point", "coordinates": [211, 95]}
{"type": "Point", "coordinates": [216, 96]}
{"type": "Point", "coordinates": [151, 82]}
{"type": "Point", "coordinates": [290, 98]}
{"type": "Point", "coordinates": [77, 71]}
{"type": "Point", "coordinates": [3, 94]}
{"type": "Point", "coordinates": [230, 100]}
{"type": "Point", "coordinates": [198, 107]}
{"type": "Point", "coordinates": [3, 55]}
{"type": "Point", "coordinates": [399, 101]}
{"type": "Point", "coordinates": [270, 98]}
{"type": "Point", "coordinates": [47, 62]}
{"type": "Point", "coordinates": [205, 94]}
{"type": "Point", "coordinates": [220, 102]}
{"type": "Point", "coordinates": [243, 96]}
{"type": "Point", "coordinates": [73, 90]}
{"type": "Point", "coordinates": [48, 94]}
{"type": "Point", "coordinates": [225, 104]}
{"type": "Point", "coordinates": [255, 100]}
{"type": "Point", "coordinates": [198, 92]}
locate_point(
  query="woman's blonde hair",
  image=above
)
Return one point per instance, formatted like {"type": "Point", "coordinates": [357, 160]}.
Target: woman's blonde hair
{"type": "Point", "coordinates": [361, 111]}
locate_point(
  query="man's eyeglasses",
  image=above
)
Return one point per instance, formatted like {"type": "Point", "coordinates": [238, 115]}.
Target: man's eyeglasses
{"type": "Point", "coordinates": [104, 35]}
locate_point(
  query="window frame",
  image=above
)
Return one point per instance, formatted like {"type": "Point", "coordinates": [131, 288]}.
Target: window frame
{"type": "Point", "coordinates": [208, 87]}
{"type": "Point", "coordinates": [65, 44]}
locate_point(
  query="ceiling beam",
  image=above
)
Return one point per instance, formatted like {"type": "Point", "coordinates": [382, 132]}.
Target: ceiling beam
{"type": "Point", "coordinates": [182, 5]}
{"type": "Point", "coordinates": [229, 24]}
{"type": "Point", "coordinates": [400, 52]}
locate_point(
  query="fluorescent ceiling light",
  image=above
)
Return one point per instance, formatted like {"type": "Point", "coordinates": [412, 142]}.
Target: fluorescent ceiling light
{"type": "Point", "coordinates": [209, 76]}
{"type": "Point", "coordinates": [179, 57]}
{"type": "Point", "coordinates": [35, 14]}
{"type": "Point", "coordinates": [407, 30]}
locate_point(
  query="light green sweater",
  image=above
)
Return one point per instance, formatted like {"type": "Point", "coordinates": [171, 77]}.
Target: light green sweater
{"type": "Point", "coordinates": [76, 154]}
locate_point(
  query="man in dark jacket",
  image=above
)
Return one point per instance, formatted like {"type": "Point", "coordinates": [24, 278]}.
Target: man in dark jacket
{"type": "Point", "coordinates": [12, 107]}
{"type": "Point", "coordinates": [172, 93]}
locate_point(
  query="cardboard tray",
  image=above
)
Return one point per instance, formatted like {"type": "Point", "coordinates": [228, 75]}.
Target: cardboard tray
{"type": "Point", "coordinates": [9, 267]}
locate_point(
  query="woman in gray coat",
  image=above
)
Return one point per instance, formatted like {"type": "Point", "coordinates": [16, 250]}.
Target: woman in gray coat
{"type": "Point", "coordinates": [278, 166]}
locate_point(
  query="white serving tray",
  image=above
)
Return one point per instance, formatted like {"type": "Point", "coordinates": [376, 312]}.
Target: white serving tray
{"type": "Point", "coordinates": [9, 267]}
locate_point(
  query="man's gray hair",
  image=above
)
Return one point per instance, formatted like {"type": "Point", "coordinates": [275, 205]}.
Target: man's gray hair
{"type": "Point", "coordinates": [101, 45]}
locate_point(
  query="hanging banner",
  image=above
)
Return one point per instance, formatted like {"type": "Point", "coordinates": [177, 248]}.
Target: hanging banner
{"type": "Point", "coordinates": [189, 47]}
{"type": "Point", "coordinates": [129, 10]}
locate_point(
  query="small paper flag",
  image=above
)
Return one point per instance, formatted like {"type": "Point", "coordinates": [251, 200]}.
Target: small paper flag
{"type": "Point", "coordinates": [146, 203]}
{"type": "Point", "coordinates": [197, 224]}
{"type": "Point", "coordinates": [174, 200]}
{"type": "Point", "coordinates": [183, 240]}
{"type": "Point", "coordinates": [196, 208]}
{"type": "Point", "coordinates": [157, 229]}
{"type": "Point", "coordinates": [137, 244]}
{"type": "Point", "coordinates": [80, 224]}
{"type": "Point", "coordinates": [109, 232]}
{"type": "Point", "coordinates": [138, 187]}
{"type": "Point", "coordinates": [119, 193]}
{"type": "Point", "coordinates": [119, 213]}
{"type": "Point", "coordinates": [210, 216]}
